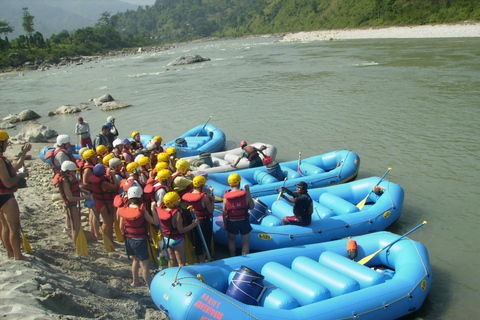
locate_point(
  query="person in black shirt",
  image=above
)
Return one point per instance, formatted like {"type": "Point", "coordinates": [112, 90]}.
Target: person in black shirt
{"type": "Point", "coordinates": [302, 205]}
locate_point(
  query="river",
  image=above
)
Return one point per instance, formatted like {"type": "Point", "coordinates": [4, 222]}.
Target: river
{"type": "Point", "coordinates": [408, 104]}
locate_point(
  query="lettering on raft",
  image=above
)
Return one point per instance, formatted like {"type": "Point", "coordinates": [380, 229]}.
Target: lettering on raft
{"type": "Point", "coordinates": [209, 306]}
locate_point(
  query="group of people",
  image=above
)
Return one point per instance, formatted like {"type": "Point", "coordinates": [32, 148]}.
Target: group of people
{"type": "Point", "coordinates": [148, 190]}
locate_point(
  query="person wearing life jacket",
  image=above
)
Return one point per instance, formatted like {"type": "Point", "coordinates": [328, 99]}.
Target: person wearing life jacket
{"type": "Point", "coordinates": [61, 153]}
{"type": "Point", "coordinates": [236, 203]}
{"type": "Point", "coordinates": [251, 153]}
{"type": "Point", "coordinates": [136, 139]}
{"type": "Point", "coordinates": [101, 152]}
{"type": "Point", "coordinates": [202, 206]}
{"type": "Point", "coordinates": [116, 165]}
{"type": "Point", "coordinates": [69, 188]}
{"type": "Point", "coordinates": [80, 161]}
{"type": "Point", "coordinates": [182, 183]}
{"type": "Point", "coordinates": [158, 143]}
{"type": "Point", "coordinates": [9, 210]}
{"type": "Point", "coordinates": [134, 220]}
{"type": "Point", "coordinates": [160, 166]}
{"type": "Point", "coordinates": [105, 188]}
{"type": "Point", "coordinates": [117, 148]}
{"type": "Point", "coordinates": [86, 171]}
{"type": "Point", "coordinates": [174, 227]}
{"type": "Point", "coordinates": [172, 158]}
{"type": "Point", "coordinates": [127, 152]}
{"type": "Point", "coordinates": [144, 167]}
{"type": "Point", "coordinates": [302, 205]}
{"type": "Point", "coordinates": [152, 155]}
{"type": "Point", "coordinates": [132, 171]}
{"type": "Point", "coordinates": [159, 187]}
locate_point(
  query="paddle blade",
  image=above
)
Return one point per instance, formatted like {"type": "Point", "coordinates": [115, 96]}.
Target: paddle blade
{"type": "Point", "coordinates": [154, 237]}
{"type": "Point", "coordinates": [118, 232]}
{"type": "Point", "coordinates": [361, 204]}
{"type": "Point", "coordinates": [26, 245]}
{"type": "Point", "coordinates": [107, 242]}
{"type": "Point", "coordinates": [190, 252]}
{"type": "Point", "coordinates": [369, 257]}
{"type": "Point", "coordinates": [81, 243]}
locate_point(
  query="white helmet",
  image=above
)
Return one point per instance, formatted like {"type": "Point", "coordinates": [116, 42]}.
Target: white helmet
{"type": "Point", "coordinates": [68, 166]}
{"type": "Point", "coordinates": [110, 119]}
{"type": "Point", "coordinates": [151, 145]}
{"type": "Point", "coordinates": [62, 139]}
{"type": "Point", "coordinates": [116, 142]}
{"type": "Point", "coordinates": [140, 156]}
{"type": "Point", "coordinates": [114, 162]}
{"type": "Point", "coordinates": [134, 192]}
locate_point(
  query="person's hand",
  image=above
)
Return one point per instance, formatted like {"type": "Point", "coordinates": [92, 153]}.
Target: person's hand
{"type": "Point", "coordinates": [282, 188]}
{"type": "Point", "coordinates": [232, 165]}
{"type": "Point", "coordinates": [26, 147]}
{"type": "Point", "coordinates": [196, 222]}
{"type": "Point", "coordinates": [88, 197]}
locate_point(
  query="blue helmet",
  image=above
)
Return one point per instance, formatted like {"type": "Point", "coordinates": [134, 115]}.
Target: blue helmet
{"type": "Point", "coordinates": [99, 170]}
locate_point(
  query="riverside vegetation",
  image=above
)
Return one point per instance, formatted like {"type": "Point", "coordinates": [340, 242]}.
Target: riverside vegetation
{"type": "Point", "coordinates": [170, 21]}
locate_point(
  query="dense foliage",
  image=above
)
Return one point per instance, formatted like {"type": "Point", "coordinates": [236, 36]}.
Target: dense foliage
{"type": "Point", "coordinates": [170, 21]}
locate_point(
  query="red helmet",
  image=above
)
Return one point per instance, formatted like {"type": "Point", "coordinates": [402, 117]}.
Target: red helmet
{"type": "Point", "coordinates": [243, 144]}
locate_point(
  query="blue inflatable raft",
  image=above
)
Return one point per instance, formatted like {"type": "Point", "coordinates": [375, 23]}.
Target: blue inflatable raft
{"type": "Point", "coordinates": [318, 171]}
{"type": "Point", "coordinates": [202, 138]}
{"type": "Point", "coordinates": [334, 216]}
{"type": "Point", "coordinates": [315, 281]}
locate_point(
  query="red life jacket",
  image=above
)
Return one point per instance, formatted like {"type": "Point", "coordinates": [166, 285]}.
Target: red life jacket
{"type": "Point", "coordinates": [187, 189]}
{"type": "Point", "coordinates": [135, 225]}
{"type": "Point", "coordinates": [99, 194]}
{"type": "Point", "coordinates": [85, 166]}
{"type": "Point", "coordinates": [166, 217]}
{"type": "Point", "coordinates": [12, 173]}
{"type": "Point", "coordinates": [195, 200]}
{"type": "Point", "coordinates": [236, 205]}
{"type": "Point", "coordinates": [52, 154]}
{"type": "Point", "coordinates": [74, 187]}
{"type": "Point", "coordinates": [125, 184]}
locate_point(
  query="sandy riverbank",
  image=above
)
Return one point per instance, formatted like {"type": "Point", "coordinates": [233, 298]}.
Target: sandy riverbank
{"type": "Point", "coordinates": [467, 29]}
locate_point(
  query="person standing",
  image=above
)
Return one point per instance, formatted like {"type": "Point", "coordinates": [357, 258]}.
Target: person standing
{"type": "Point", "coordinates": [102, 138]}
{"type": "Point", "coordinates": [251, 153]}
{"type": "Point", "coordinates": [82, 129]}
{"type": "Point", "coordinates": [9, 210]}
{"type": "Point", "coordinates": [113, 128]}
{"type": "Point", "coordinates": [61, 154]}
{"type": "Point", "coordinates": [236, 203]}
{"type": "Point", "coordinates": [302, 205]}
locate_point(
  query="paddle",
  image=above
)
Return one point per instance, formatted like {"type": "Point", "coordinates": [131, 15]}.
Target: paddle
{"type": "Point", "coordinates": [280, 193]}
{"type": "Point", "coordinates": [299, 161]}
{"type": "Point", "coordinates": [118, 232]}
{"type": "Point", "coordinates": [204, 126]}
{"type": "Point", "coordinates": [362, 203]}
{"type": "Point", "coordinates": [368, 258]}
{"type": "Point", "coordinates": [26, 245]}
{"type": "Point", "coordinates": [81, 245]}
{"type": "Point", "coordinates": [201, 234]}
{"type": "Point", "coordinates": [106, 241]}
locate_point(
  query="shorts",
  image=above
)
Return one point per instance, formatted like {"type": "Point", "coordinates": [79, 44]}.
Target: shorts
{"type": "Point", "coordinates": [241, 226]}
{"type": "Point", "coordinates": [172, 243]}
{"type": "Point", "coordinates": [295, 221]}
{"type": "Point", "coordinates": [5, 197]}
{"type": "Point", "coordinates": [137, 247]}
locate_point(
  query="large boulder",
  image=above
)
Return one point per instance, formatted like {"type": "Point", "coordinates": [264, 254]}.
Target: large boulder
{"type": "Point", "coordinates": [187, 60]}
{"type": "Point", "coordinates": [34, 132]}
{"type": "Point", "coordinates": [6, 125]}
{"type": "Point", "coordinates": [105, 98]}
{"type": "Point", "coordinates": [25, 115]}
{"type": "Point", "coordinates": [114, 105]}
{"type": "Point", "coordinates": [67, 109]}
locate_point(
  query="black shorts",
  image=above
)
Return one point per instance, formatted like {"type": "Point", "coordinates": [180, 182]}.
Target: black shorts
{"type": "Point", "coordinates": [5, 197]}
{"type": "Point", "coordinates": [241, 226]}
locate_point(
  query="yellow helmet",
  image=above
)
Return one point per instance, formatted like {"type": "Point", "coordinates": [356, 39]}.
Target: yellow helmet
{"type": "Point", "coordinates": [131, 167]}
{"type": "Point", "coordinates": [134, 133]}
{"type": "Point", "coordinates": [171, 150]}
{"type": "Point", "coordinates": [163, 157]}
{"type": "Point", "coordinates": [164, 174]}
{"type": "Point", "coordinates": [157, 138]}
{"type": "Point", "coordinates": [160, 166]}
{"type": "Point", "coordinates": [199, 181]}
{"type": "Point", "coordinates": [80, 152]}
{"type": "Point", "coordinates": [143, 161]}
{"type": "Point", "coordinates": [4, 136]}
{"type": "Point", "coordinates": [101, 150]}
{"type": "Point", "coordinates": [171, 198]}
{"type": "Point", "coordinates": [182, 165]}
{"type": "Point", "coordinates": [107, 158]}
{"type": "Point", "coordinates": [87, 154]}
{"type": "Point", "coordinates": [234, 179]}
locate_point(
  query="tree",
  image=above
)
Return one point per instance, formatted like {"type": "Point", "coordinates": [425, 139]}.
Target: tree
{"type": "Point", "coordinates": [27, 23]}
{"type": "Point", "coordinates": [6, 28]}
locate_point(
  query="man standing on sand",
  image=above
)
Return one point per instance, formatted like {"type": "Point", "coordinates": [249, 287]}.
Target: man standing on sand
{"type": "Point", "coordinates": [83, 130]}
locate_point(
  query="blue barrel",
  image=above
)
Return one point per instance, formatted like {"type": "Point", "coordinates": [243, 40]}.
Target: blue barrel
{"type": "Point", "coordinates": [274, 169]}
{"type": "Point", "coordinates": [207, 158]}
{"type": "Point", "coordinates": [181, 142]}
{"type": "Point", "coordinates": [258, 212]}
{"type": "Point", "coordinates": [246, 286]}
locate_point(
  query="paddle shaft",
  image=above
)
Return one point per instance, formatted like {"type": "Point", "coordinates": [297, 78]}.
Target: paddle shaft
{"type": "Point", "coordinates": [204, 126]}
{"type": "Point", "coordinates": [362, 203]}
{"type": "Point", "coordinates": [299, 161]}
{"type": "Point", "coordinates": [201, 235]}
{"type": "Point", "coordinates": [280, 193]}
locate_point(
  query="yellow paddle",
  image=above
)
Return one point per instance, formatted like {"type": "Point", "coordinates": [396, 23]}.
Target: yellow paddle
{"type": "Point", "coordinates": [280, 193]}
{"type": "Point", "coordinates": [26, 245]}
{"type": "Point", "coordinates": [362, 203]}
{"type": "Point", "coordinates": [118, 232]}
{"type": "Point", "coordinates": [81, 245]}
{"type": "Point", "coordinates": [368, 258]}
{"type": "Point", "coordinates": [106, 241]}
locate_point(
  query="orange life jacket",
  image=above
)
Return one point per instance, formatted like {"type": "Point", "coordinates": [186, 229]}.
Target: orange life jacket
{"type": "Point", "coordinates": [236, 206]}
{"type": "Point", "coordinates": [98, 192]}
{"type": "Point", "coordinates": [195, 200]}
{"type": "Point", "coordinates": [166, 220]}
{"type": "Point", "coordinates": [135, 225]}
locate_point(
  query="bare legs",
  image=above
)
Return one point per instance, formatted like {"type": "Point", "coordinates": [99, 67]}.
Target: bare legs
{"type": "Point", "coordinates": [10, 219]}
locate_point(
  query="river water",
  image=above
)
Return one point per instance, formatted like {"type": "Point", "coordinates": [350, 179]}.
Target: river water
{"type": "Point", "coordinates": [412, 105]}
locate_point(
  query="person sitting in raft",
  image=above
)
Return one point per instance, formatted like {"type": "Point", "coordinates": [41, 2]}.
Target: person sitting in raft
{"type": "Point", "coordinates": [69, 188]}
{"type": "Point", "coordinates": [133, 223]}
{"type": "Point", "coordinates": [251, 153]}
{"type": "Point", "coordinates": [236, 204]}
{"type": "Point", "coordinates": [105, 187]}
{"type": "Point", "coordinates": [9, 210]}
{"type": "Point", "coordinates": [136, 139]}
{"type": "Point", "coordinates": [203, 206]}
{"type": "Point", "coordinates": [174, 228]}
{"type": "Point", "coordinates": [302, 205]}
